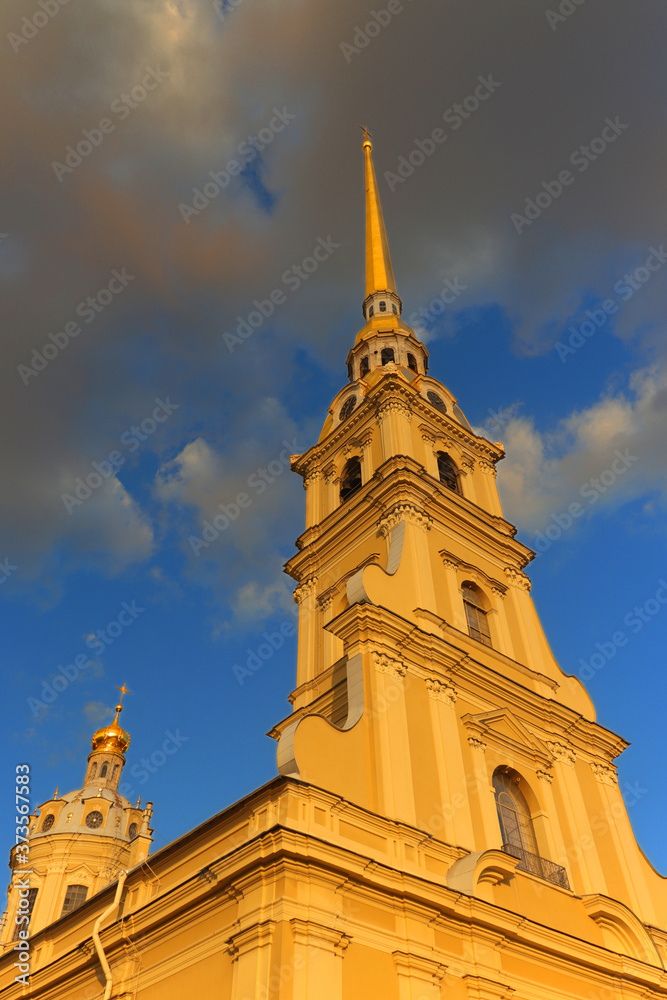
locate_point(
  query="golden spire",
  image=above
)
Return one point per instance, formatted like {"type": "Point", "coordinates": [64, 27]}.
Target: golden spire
{"type": "Point", "coordinates": [379, 272]}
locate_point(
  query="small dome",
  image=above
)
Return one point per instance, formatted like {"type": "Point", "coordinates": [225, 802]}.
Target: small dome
{"type": "Point", "coordinates": [112, 737]}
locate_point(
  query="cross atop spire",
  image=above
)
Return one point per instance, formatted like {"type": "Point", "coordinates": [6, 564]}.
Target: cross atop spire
{"type": "Point", "coordinates": [119, 707]}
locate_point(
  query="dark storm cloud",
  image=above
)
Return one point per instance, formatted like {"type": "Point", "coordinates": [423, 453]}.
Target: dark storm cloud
{"type": "Point", "coordinates": [116, 113]}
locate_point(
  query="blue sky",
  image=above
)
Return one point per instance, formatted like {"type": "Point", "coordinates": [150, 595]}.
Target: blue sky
{"type": "Point", "coordinates": [155, 348]}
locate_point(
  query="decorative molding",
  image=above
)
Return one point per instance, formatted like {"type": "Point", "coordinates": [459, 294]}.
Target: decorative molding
{"type": "Point", "coordinates": [326, 599]}
{"type": "Point", "coordinates": [421, 968]}
{"type": "Point", "coordinates": [250, 938]}
{"type": "Point", "coordinates": [386, 665]}
{"type": "Point", "coordinates": [604, 773]}
{"type": "Point", "coordinates": [545, 776]}
{"type": "Point", "coordinates": [403, 512]}
{"type": "Point", "coordinates": [563, 753]}
{"type": "Point", "coordinates": [313, 935]}
{"type": "Point", "coordinates": [480, 988]}
{"type": "Point", "coordinates": [440, 691]}
{"type": "Point", "coordinates": [476, 744]}
{"type": "Point", "coordinates": [503, 731]}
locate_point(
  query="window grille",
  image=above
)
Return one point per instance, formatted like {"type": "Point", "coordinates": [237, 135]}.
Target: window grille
{"type": "Point", "coordinates": [448, 473]}
{"type": "Point", "coordinates": [75, 896]}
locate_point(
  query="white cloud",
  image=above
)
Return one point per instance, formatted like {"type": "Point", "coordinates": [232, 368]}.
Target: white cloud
{"type": "Point", "coordinates": [578, 461]}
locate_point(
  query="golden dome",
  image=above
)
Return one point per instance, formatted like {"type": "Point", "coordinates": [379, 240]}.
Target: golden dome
{"type": "Point", "coordinates": [112, 738]}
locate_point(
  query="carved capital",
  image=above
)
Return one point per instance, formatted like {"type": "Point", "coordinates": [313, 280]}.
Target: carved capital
{"type": "Point", "coordinates": [486, 467]}
{"type": "Point", "coordinates": [403, 512]}
{"type": "Point", "coordinates": [391, 407]}
{"type": "Point", "coordinates": [476, 744]}
{"type": "Point", "coordinates": [311, 477]}
{"type": "Point", "coordinates": [604, 773]}
{"type": "Point", "coordinates": [563, 753]}
{"type": "Point", "coordinates": [386, 665]}
{"type": "Point", "coordinates": [440, 691]}
{"type": "Point", "coordinates": [545, 776]}
{"type": "Point", "coordinates": [419, 968]}
{"type": "Point", "coordinates": [517, 578]}
{"type": "Point", "coordinates": [305, 590]}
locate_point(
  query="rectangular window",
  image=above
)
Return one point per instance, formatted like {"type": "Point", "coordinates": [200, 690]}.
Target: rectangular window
{"type": "Point", "coordinates": [478, 627]}
{"type": "Point", "coordinates": [75, 896]}
{"type": "Point", "coordinates": [23, 926]}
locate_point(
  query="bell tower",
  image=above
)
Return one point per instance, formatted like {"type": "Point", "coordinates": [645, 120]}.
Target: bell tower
{"type": "Point", "coordinates": [426, 690]}
{"type": "Point", "coordinates": [78, 843]}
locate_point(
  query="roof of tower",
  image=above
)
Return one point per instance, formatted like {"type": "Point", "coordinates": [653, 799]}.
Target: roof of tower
{"type": "Point", "coordinates": [379, 271]}
{"type": "Point", "coordinates": [112, 738]}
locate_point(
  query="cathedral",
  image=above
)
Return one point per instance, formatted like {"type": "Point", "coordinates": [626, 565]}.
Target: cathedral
{"type": "Point", "coordinates": [446, 819]}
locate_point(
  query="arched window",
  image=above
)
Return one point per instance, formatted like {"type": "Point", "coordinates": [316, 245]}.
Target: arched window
{"type": "Point", "coordinates": [478, 626]}
{"type": "Point", "coordinates": [350, 481]}
{"type": "Point", "coordinates": [383, 306]}
{"type": "Point", "coordinates": [93, 770]}
{"type": "Point", "coordinates": [412, 363]}
{"type": "Point", "coordinates": [133, 830]}
{"type": "Point", "coordinates": [514, 817]}
{"type": "Point", "coordinates": [364, 366]}
{"type": "Point", "coordinates": [393, 306]}
{"type": "Point", "coordinates": [47, 823]}
{"type": "Point", "coordinates": [25, 912]}
{"type": "Point", "coordinates": [75, 896]}
{"type": "Point", "coordinates": [387, 355]}
{"type": "Point", "coordinates": [371, 310]}
{"type": "Point", "coordinates": [115, 771]}
{"type": "Point", "coordinates": [103, 772]}
{"type": "Point", "coordinates": [448, 473]}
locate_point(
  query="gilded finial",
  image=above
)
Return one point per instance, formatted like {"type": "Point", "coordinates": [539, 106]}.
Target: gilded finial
{"type": "Point", "coordinates": [119, 707]}
{"type": "Point", "coordinates": [367, 134]}
{"type": "Point", "coordinates": [55, 794]}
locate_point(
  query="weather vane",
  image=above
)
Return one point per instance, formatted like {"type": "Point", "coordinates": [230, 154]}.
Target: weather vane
{"type": "Point", "coordinates": [367, 134]}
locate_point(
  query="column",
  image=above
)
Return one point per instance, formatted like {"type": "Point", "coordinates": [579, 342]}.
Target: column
{"type": "Point", "coordinates": [318, 961]}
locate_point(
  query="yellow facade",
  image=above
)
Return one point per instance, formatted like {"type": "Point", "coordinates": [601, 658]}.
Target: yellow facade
{"type": "Point", "coordinates": [446, 821]}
